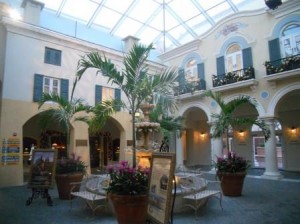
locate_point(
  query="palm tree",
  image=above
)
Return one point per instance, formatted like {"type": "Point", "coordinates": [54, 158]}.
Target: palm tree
{"type": "Point", "coordinates": [134, 80]}
{"type": "Point", "coordinates": [62, 112]}
{"type": "Point", "coordinates": [223, 122]}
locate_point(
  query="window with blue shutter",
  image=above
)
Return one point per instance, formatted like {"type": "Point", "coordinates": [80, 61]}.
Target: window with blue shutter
{"type": "Point", "coordinates": [118, 97]}
{"type": "Point", "coordinates": [247, 58]}
{"type": "Point", "coordinates": [181, 77]}
{"type": "Point", "coordinates": [201, 76]}
{"type": "Point", "coordinates": [220, 67]}
{"type": "Point", "coordinates": [98, 94]}
{"type": "Point", "coordinates": [274, 52]}
{"type": "Point", "coordinates": [64, 88]}
{"type": "Point", "coordinates": [52, 56]}
{"type": "Point", "coordinates": [37, 87]}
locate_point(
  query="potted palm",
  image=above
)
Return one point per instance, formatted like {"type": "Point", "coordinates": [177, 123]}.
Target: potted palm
{"type": "Point", "coordinates": [232, 166]}
{"type": "Point", "coordinates": [62, 112]}
{"type": "Point", "coordinates": [135, 81]}
{"type": "Point", "coordinates": [127, 192]}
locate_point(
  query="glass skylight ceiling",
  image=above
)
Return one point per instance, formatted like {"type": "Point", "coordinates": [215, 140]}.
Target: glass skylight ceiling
{"type": "Point", "coordinates": [166, 23]}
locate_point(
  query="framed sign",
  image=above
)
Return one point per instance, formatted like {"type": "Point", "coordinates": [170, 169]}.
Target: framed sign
{"type": "Point", "coordinates": [42, 168]}
{"type": "Point", "coordinates": [161, 187]}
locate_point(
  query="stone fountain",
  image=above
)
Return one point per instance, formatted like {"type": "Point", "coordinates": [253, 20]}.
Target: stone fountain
{"type": "Point", "coordinates": [145, 127]}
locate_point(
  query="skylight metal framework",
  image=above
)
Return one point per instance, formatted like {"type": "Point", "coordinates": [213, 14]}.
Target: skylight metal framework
{"type": "Point", "coordinates": [166, 23]}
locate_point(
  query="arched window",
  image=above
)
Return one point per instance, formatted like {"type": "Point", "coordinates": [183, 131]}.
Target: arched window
{"type": "Point", "coordinates": [233, 58]}
{"type": "Point", "coordinates": [191, 73]}
{"type": "Point", "coordinates": [290, 40]}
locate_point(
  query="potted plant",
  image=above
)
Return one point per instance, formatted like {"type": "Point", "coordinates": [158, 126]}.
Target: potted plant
{"type": "Point", "coordinates": [231, 170]}
{"type": "Point", "coordinates": [273, 4]}
{"type": "Point", "coordinates": [221, 125]}
{"type": "Point", "coordinates": [127, 192]}
{"type": "Point", "coordinates": [68, 170]}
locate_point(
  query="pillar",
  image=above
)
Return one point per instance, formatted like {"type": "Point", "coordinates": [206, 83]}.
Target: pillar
{"type": "Point", "coordinates": [271, 170]}
{"type": "Point", "coordinates": [179, 152]}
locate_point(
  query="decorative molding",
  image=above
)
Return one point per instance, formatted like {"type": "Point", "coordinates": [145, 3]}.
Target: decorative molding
{"type": "Point", "coordinates": [252, 84]}
{"type": "Point", "coordinates": [182, 50]}
{"type": "Point", "coordinates": [230, 28]}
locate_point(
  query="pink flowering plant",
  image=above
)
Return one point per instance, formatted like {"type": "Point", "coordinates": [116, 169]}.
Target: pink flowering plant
{"type": "Point", "coordinates": [232, 163]}
{"type": "Point", "coordinates": [127, 180]}
{"type": "Point", "coordinates": [71, 164]}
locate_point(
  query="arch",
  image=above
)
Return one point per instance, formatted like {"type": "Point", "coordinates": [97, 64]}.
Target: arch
{"type": "Point", "coordinates": [282, 23]}
{"type": "Point", "coordinates": [199, 105]}
{"type": "Point", "coordinates": [259, 107]}
{"type": "Point", "coordinates": [191, 56]}
{"type": "Point", "coordinates": [236, 39]}
{"type": "Point", "coordinates": [274, 101]}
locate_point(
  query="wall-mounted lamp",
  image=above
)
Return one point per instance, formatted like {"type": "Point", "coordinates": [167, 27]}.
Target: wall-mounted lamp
{"type": "Point", "coordinates": [241, 133]}
{"type": "Point", "coordinates": [293, 130]}
{"type": "Point", "coordinates": [202, 134]}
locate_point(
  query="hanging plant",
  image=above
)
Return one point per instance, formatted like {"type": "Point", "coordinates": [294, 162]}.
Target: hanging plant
{"type": "Point", "coordinates": [273, 4]}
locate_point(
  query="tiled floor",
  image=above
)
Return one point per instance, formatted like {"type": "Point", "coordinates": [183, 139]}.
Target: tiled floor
{"type": "Point", "coordinates": [263, 202]}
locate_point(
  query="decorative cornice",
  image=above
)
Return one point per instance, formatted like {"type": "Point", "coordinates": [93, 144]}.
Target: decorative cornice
{"type": "Point", "coordinates": [182, 50]}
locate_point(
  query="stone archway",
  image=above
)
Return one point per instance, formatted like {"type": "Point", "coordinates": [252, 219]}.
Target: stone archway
{"type": "Point", "coordinates": [196, 142]}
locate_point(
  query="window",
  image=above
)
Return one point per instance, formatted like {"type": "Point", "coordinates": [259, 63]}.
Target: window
{"type": "Point", "coordinates": [191, 71]}
{"type": "Point", "coordinates": [52, 56]}
{"type": "Point", "coordinates": [290, 41]}
{"type": "Point", "coordinates": [51, 85]}
{"type": "Point", "coordinates": [107, 93]}
{"type": "Point", "coordinates": [45, 84]}
{"type": "Point", "coordinates": [233, 59]}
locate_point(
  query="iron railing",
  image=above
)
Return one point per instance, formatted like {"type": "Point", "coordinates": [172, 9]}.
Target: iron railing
{"type": "Point", "coordinates": [282, 65]}
{"type": "Point", "coordinates": [190, 87]}
{"type": "Point", "coordinates": [233, 77]}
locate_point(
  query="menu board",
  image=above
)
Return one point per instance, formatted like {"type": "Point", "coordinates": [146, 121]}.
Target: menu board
{"type": "Point", "coordinates": [10, 151]}
{"type": "Point", "coordinates": [160, 187]}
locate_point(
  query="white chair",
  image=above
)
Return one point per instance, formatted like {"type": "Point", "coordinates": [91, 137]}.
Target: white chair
{"type": "Point", "coordinates": [92, 190]}
{"type": "Point", "coordinates": [199, 190]}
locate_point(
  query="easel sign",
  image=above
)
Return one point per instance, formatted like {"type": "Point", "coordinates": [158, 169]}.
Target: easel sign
{"type": "Point", "coordinates": [160, 187]}
{"type": "Point", "coordinates": [42, 169]}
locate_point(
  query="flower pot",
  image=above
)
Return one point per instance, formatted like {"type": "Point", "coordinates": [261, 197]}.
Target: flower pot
{"type": "Point", "coordinates": [232, 183]}
{"type": "Point", "coordinates": [63, 184]}
{"type": "Point", "coordinates": [129, 209]}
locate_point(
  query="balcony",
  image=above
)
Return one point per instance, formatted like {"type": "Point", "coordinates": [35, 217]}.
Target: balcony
{"type": "Point", "coordinates": [282, 65]}
{"type": "Point", "coordinates": [233, 77]}
{"type": "Point", "coordinates": [190, 87]}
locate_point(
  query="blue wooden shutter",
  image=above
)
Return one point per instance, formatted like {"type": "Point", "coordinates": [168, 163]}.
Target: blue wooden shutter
{"type": "Point", "coordinates": [98, 94]}
{"type": "Point", "coordinates": [37, 87]}
{"type": "Point", "coordinates": [247, 58]}
{"type": "Point", "coordinates": [64, 88]}
{"type": "Point", "coordinates": [118, 97]}
{"type": "Point", "coordinates": [181, 77]}
{"type": "Point", "coordinates": [274, 51]}
{"type": "Point", "coordinates": [220, 66]}
{"type": "Point", "coordinates": [201, 76]}
{"type": "Point", "coordinates": [57, 57]}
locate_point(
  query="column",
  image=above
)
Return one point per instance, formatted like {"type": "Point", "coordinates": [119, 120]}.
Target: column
{"type": "Point", "coordinates": [179, 152]}
{"type": "Point", "coordinates": [271, 170]}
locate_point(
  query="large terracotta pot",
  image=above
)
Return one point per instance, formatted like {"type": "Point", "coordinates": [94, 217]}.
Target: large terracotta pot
{"type": "Point", "coordinates": [63, 184]}
{"type": "Point", "coordinates": [129, 209]}
{"type": "Point", "coordinates": [232, 183]}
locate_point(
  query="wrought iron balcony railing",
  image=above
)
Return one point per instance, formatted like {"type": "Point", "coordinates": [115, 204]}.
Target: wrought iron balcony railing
{"type": "Point", "coordinates": [190, 87]}
{"type": "Point", "coordinates": [233, 77]}
{"type": "Point", "coordinates": [283, 64]}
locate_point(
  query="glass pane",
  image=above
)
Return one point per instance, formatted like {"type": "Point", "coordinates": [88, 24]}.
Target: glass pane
{"type": "Point", "coordinates": [46, 82]}
{"type": "Point", "coordinates": [55, 83]}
